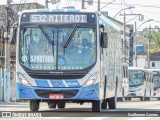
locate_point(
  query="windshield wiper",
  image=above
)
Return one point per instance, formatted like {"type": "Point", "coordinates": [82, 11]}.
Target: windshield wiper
{"type": "Point", "coordinates": [70, 36]}
{"type": "Point", "coordinates": [48, 38]}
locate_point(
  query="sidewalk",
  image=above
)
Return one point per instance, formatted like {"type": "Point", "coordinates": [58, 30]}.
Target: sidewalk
{"type": "Point", "coordinates": [14, 103]}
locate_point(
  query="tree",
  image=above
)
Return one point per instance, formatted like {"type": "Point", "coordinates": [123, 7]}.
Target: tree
{"type": "Point", "coordinates": [156, 38]}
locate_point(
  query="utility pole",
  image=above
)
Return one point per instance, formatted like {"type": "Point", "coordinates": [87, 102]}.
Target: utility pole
{"type": "Point", "coordinates": [149, 40]}
{"type": "Point", "coordinates": [124, 38]}
{"type": "Point", "coordinates": [98, 6]}
{"type": "Point", "coordinates": [46, 3]}
{"type": "Point", "coordinates": [135, 39]}
{"type": "Point", "coordinates": [7, 56]}
{"type": "Point", "coordinates": [83, 1]}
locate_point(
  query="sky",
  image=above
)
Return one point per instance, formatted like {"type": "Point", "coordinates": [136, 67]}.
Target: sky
{"type": "Point", "coordinates": [149, 8]}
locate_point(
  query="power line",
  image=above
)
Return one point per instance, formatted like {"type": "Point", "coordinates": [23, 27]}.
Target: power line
{"type": "Point", "coordinates": [107, 4]}
{"type": "Point", "coordinates": [140, 5]}
{"type": "Point", "coordinates": [128, 6]}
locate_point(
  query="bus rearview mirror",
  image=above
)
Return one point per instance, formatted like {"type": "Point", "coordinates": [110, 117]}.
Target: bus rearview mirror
{"type": "Point", "coordinates": [104, 40]}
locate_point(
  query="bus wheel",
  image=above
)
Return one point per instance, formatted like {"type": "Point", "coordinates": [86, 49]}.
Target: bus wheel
{"type": "Point", "coordinates": [104, 104]}
{"type": "Point", "coordinates": [141, 99]}
{"type": "Point", "coordinates": [112, 103]}
{"type": "Point", "coordinates": [52, 105]}
{"type": "Point", "coordinates": [96, 106]}
{"type": "Point", "coordinates": [123, 97]}
{"type": "Point", "coordinates": [129, 99]}
{"type": "Point", "coordinates": [147, 99]}
{"type": "Point", "coordinates": [61, 105]}
{"type": "Point", "coordinates": [34, 105]}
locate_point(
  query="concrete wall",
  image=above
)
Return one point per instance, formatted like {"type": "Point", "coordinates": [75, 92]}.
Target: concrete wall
{"type": "Point", "coordinates": [142, 62]}
{"type": "Point", "coordinates": [157, 64]}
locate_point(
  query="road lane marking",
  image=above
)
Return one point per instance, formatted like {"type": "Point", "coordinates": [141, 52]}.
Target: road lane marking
{"type": "Point", "coordinates": [142, 118]}
{"type": "Point", "coordinates": [55, 118]}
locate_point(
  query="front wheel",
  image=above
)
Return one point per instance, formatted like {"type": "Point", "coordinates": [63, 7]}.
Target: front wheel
{"type": "Point", "coordinates": [96, 106]}
{"type": "Point", "coordinates": [34, 105]}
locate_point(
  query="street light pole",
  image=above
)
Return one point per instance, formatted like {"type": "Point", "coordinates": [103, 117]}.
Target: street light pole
{"type": "Point", "coordinates": [46, 3]}
{"type": "Point", "coordinates": [124, 38]}
{"type": "Point", "coordinates": [149, 47]}
{"type": "Point", "coordinates": [135, 38]}
{"type": "Point", "coordinates": [83, 4]}
{"type": "Point", "coordinates": [98, 5]}
{"type": "Point", "coordinates": [7, 56]}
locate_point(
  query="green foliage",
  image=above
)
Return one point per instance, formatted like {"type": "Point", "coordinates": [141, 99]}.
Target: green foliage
{"type": "Point", "coordinates": [156, 38]}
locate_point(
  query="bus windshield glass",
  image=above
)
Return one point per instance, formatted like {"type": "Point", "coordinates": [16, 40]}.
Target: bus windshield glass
{"type": "Point", "coordinates": [135, 77]}
{"type": "Point", "coordinates": [42, 48]}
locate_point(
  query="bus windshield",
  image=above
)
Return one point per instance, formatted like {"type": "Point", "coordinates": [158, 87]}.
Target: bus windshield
{"type": "Point", "coordinates": [42, 48]}
{"type": "Point", "coordinates": [135, 77]}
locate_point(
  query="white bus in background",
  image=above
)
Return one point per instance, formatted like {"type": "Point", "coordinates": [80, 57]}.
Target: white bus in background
{"type": "Point", "coordinates": [156, 80]}
{"type": "Point", "coordinates": [140, 83]}
{"type": "Point", "coordinates": [68, 55]}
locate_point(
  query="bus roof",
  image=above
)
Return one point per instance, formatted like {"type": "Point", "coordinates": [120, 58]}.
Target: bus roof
{"type": "Point", "coordinates": [56, 10]}
{"type": "Point", "coordinates": [136, 68]}
{"type": "Point", "coordinates": [110, 22]}
{"type": "Point", "coordinates": [152, 70]}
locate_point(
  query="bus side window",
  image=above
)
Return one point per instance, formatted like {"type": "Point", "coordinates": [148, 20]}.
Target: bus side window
{"type": "Point", "coordinates": [145, 76]}
{"type": "Point", "coordinates": [124, 74]}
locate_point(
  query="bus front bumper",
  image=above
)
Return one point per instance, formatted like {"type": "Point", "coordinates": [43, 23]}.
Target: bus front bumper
{"type": "Point", "coordinates": [41, 93]}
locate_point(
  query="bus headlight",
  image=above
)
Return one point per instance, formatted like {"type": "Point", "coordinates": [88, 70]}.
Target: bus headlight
{"type": "Point", "coordinates": [91, 80]}
{"type": "Point", "coordinates": [23, 80]}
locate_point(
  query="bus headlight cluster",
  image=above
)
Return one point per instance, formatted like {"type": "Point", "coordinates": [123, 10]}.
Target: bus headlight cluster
{"type": "Point", "coordinates": [23, 80]}
{"type": "Point", "coordinates": [91, 80]}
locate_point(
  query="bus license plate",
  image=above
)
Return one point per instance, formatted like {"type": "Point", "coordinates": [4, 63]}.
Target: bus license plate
{"type": "Point", "coordinates": [56, 96]}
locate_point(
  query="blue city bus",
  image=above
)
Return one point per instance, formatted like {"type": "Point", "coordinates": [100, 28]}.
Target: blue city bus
{"type": "Point", "coordinates": [140, 83]}
{"type": "Point", "coordinates": [68, 55]}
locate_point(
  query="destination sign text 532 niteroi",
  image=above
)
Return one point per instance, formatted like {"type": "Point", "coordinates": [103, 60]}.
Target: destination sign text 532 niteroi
{"type": "Point", "coordinates": [58, 18]}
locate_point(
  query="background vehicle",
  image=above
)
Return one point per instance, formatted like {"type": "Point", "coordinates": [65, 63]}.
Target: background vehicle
{"type": "Point", "coordinates": [68, 56]}
{"type": "Point", "coordinates": [155, 93]}
{"type": "Point", "coordinates": [140, 83]}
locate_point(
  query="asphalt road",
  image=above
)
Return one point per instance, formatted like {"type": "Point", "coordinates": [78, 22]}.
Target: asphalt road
{"type": "Point", "coordinates": [128, 110]}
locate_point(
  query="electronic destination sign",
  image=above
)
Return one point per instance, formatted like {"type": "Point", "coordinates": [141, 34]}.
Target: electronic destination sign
{"type": "Point", "coordinates": [58, 18]}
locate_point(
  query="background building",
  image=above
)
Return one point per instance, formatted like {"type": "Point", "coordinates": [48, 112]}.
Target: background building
{"type": "Point", "coordinates": [9, 15]}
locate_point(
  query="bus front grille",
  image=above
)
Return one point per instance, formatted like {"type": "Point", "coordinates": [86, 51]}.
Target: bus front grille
{"type": "Point", "coordinates": [66, 93]}
{"type": "Point", "coordinates": [60, 77]}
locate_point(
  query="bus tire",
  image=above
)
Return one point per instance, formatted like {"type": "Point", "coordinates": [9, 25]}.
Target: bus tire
{"type": "Point", "coordinates": [52, 105]}
{"type": "Point", "coordinates": [61, 105]}
{"type": "Point", "coordinates": [123, 97]}
{"type": "Point", "coordinates": [96, 106]}
{"type": "Point", "coordinates": [147, 99]}
{"type": "Point", "coordinates": [141, 99]}
{"type": "Point", "coordinates": [112, 103]}
{"type": "Point", "coordinates": [128, 98]}
{"type": "Point", "coordinates": [145, 94]}
{"type": "Point", "coordinates": [34, 105]}
{"type": "Point", "coordinates": [104, 104]}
